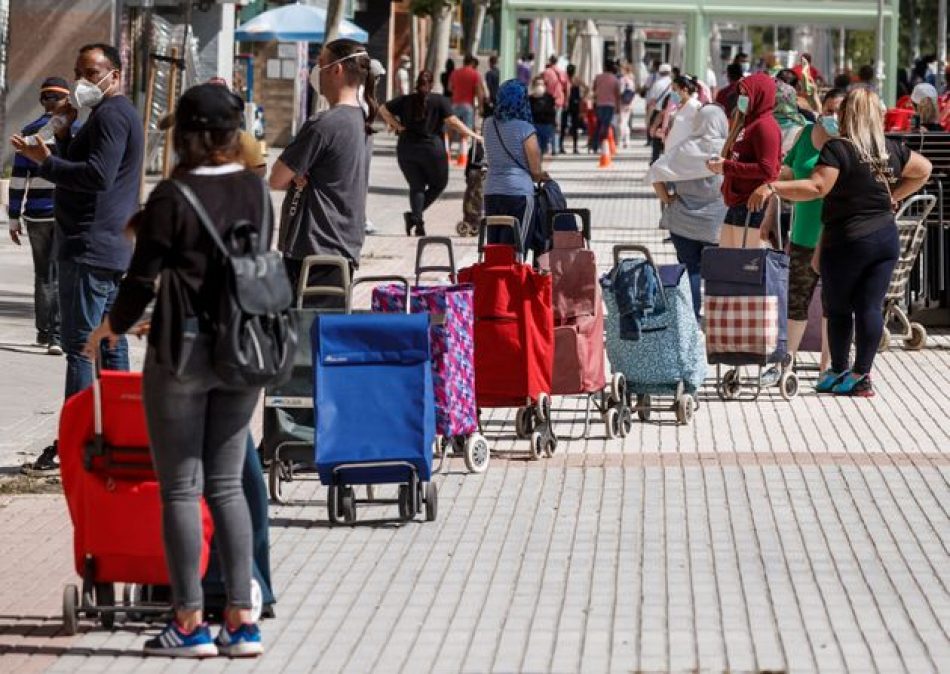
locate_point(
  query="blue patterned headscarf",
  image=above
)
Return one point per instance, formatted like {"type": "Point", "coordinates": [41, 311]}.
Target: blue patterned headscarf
{"type": "Point", "coordinates": [512, 102]}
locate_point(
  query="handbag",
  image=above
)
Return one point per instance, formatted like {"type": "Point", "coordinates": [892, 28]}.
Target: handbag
{"type": "Point", "coordinates": [296, 222]}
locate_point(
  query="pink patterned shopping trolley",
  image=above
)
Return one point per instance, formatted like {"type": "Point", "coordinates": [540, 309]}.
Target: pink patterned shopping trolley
{"type": "Point", "coordinates": [451, 334]}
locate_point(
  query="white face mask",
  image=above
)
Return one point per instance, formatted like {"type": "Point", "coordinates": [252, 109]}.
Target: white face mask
{"type": "Point", "coordinates": [86, 94]}
{"type": "Point", "coordinates": [315, 71]}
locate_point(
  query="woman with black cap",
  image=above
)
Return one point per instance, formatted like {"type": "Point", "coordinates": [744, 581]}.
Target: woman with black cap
{"type": "Point", "coordinates": [198, 426]}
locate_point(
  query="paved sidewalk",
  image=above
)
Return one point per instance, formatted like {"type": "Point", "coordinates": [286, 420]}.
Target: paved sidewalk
{"type": "Point", "coordinates": [767, 536]}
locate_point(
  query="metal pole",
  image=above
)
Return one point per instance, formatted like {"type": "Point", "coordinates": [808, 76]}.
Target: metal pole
{"type": "Point", "coordinates": [842, 42]}
{"type": "Point", "coordinates": [941, 42]}
{"type": "Point", "coordinates": [879, 55]}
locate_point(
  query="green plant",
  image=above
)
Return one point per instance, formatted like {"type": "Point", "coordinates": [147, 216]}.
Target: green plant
{"type": "Point", "coordinates": [430, 7]}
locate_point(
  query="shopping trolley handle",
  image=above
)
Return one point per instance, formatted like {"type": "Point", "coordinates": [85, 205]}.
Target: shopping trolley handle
{"type": "Point", "coordinates": [432, 241]}
{"type": "Point", "coordinates": [929, 201]}
{"type": "Point", "coordinates": [305, 290]}
{"type": "Point", "coordinates": [621, 248]}
{"type": "Point", "coordinates": [391, 278]}
{"type": "Point", "coordinates": [504, 221]}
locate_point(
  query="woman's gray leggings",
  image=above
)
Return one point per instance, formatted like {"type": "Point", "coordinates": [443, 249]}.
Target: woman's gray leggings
{"type": "Point", "coordinates": [198, 430]}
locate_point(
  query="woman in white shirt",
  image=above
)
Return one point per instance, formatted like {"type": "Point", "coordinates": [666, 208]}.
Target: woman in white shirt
{"type": "Point", "coordinates": [684, 95]}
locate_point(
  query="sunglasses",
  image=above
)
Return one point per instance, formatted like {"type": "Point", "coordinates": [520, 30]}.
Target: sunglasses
{"type": "Point", "coordinates": [51, 96]}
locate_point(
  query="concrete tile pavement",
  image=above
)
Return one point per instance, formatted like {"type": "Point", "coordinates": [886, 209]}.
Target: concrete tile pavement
{"type": "Point", "coordinates": [766, 536]}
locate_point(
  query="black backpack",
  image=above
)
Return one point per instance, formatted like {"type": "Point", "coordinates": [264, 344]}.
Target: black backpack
{"type": "Point", "coordinates": [254, 334]}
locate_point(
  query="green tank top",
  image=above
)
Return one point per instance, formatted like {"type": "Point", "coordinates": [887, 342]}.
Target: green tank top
{"type": "Point", "coordinates": [802, 159]}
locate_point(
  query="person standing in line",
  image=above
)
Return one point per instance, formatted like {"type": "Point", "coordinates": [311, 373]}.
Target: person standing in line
{"type": "Point", "coordinates": [96, 173]}
{"type": "Point", "coordinates": [197, 423]}
{"type": "Point", "coordinates": [329, 159]}
{"type": "Point", "coordinates": [544, 113]}
{"type": "Point", "coordinates": [607, 101]}
{"type": "Point", "coordinates": [492, 82]}
{"type": "Point", "coordinates": [751, 157]}
{"type": "Point", "coordinates": [684, 98]}
{"type": "Point", "coordinates": [628, 92]}
{"type": "Point", "coordinates": [525, 69]}
{"type": "Point", "coordinates": [403, 78]}
{"type": "Point", "coordinates": [468, 91]}
{"type": "Point", "coordinates": [31, 204]}
{"type": "Point", "coordinates": [420, 120]}
{"type": "Point", "coordinates": [727, 95]}
{"type": "Point", "coordinates": [860, 175]}
{"type": "Point", "coordinates": [557, 84]}
{"type": "Point", "coordinates": [657, 92]}
{"type": "Point", "coordinates": [573, 118]}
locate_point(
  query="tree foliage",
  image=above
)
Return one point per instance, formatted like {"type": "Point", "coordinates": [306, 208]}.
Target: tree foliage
{"type": "Point", "coordinates": [430, 7]}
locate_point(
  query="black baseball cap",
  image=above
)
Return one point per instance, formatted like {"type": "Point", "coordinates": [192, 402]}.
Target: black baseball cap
{"type": "Point", "coordinates": [54, 85]}
{"type": "Point", "coordinates": [209, 107]}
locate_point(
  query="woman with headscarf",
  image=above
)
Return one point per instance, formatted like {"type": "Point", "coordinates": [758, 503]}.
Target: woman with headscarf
{"type": "Point", "coordinates": [751, 157]}
{"type": "Point", "coordinates": [790, 120]}
{"type": "Point", "coordinates": [514, 161]}
{"type": "Point", "coordinates": [692, 193]}
{"type": "Point", "coordinates": [420, 119]}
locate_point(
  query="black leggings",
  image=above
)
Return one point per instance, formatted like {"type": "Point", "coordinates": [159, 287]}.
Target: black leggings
{"type": "Point", "coordinates": [570, 123]}
{"type": "Point", "coordinates": [426, 168]}
{"type": "Point", "coordinates": [855, 276]}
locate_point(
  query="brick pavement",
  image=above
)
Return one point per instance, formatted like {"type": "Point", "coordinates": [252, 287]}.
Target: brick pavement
{"type": "Point", "coordinates": [766, 536]}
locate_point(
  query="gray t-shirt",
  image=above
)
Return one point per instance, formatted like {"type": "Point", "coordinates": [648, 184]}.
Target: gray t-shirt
{"type": "Point", "coordinates": [333, 151]}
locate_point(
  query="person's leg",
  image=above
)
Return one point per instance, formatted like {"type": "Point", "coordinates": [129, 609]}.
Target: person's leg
{"type": "Point", "coordinates": [415, 174]}
{"type": "Point", "coordinates": [502, 204]}
{"type": "Point", "coordinates": [625, 126]}
{"type": "Point", "coordinates": [255, 491]}
{"type": "Point", "coordinates": [840, 270]}
{"type": "Point", "coordinates": [883, 247]}
{"type": "Point", "coordinates": [689, 252]}
{"type": "Point", "coordinates": [40, 233]}
{"type": "Point", "coordinates": [802, 281]}
{"type": "Point", "coordinates": [227, 416]}
{"type": "Point", "coordinates": [436, 168]}
{"type": "Point", "coordinates": [117, 358]}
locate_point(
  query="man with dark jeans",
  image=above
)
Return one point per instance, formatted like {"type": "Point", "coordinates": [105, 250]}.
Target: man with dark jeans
{"type": "Point", "coordinates": [31, 205]}
{"type": "Point", "coordinates": [607, 100]}
{"type": "Point", "coordinates": [96, 174]}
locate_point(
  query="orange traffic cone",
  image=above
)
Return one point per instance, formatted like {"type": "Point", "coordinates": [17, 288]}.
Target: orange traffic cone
{"type": "Point", "coordinates": [611, 142]}
{"type": "Point", "coordinates": [462, 161]}
{"type": "Point", "coordinates": [605, 160]}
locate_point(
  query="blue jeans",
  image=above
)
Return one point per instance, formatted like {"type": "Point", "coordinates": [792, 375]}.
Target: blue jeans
{"type": "Point", "coordinates": [85, 296]}
{"type": "Point", "coordinates": [690, 253]}
{"type": "Point", "coordinates": [605, 116]}
{"type": "Point", "coordinates": [546, 136]}
{"type": "Point", "coordinates": [45, 294]}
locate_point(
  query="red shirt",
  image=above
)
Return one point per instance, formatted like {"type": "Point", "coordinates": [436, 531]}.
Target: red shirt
{"type": "Point", "coordinates": [464, 84]}
{"type": "Point", "coordinates": [757, 153]}
{"type": "Point", "coordinates": [556, 84]}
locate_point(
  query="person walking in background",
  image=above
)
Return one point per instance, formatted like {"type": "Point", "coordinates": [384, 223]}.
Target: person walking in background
{"type": "Point", "coordinates": [492, 82]}
{"type": "Point", "coordinates": [197, 424]}
{"type": "Point", "coordinates": [420, 120]}
{"type": "Point", "coordinates": [403, 76]}
{"type": "Point", "coordinates": [658, 91]}
{"type": "Point", "coordinates": [799, 164]}
{"type": "Point", "coordinates": [861, 175]}
{"type": "Point", "coordinates": [544, 113]}
{"type": "Point", "coordinates": [468, 91]}
{"type": "Point", "coordinates": [525, 69]}
{"type": "Point", "coordinates": [628, 92]}
{"type": "Point", "coordinates": [691, 193]}
{"type": "Point", "coordinates": [606, 100]}
{"type": "Point", "coordinates": [96, 173]}
{"type": "Point", "coordinates": [751, 157]}
{"type": "Point", "coordinates": [329, 158]}
{"type": "Point", "coordinates": [445, 79]}
{"type": "Point", "coordinates": [572, 118]}
{"type": "Point", "coordinates": [514, 164]}
{"type": "Point", "coordinates": [31, 205]}
{"type": "Point", "coordinates": [558, 85]}
{"type": "Point", "coordinates": [727, 95]}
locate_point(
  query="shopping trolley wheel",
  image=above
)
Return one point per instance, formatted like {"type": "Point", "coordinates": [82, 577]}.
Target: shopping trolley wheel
{"type": "Point", "coordinates": [333, 504]}
{"type": "Point", "coordinates": [918, 337]}
{"type": "Point", "coordinates": [432, 502]}
{"type": "Point", "coordinates": [885, 342]}
{"type": "Point", "coordinates": [461, 228]}
{"type": "Point", "coordinates": [105, 597]}
{"type": "Point", "coordinates": [684, 408]}
{"type": "Point", "coordinates": [405, 507]}
{"type": "Point", "coordinates": [537, 445]}
{"type": "Point", "coordinates": [542, 408]}
{"type": "Point", "coordinates": [550, 445]}
{"type": "Point", "coordinates": [643, 406]}
{"type": "Point", "coordinates": [275, 478]}
{"type": "Point", "coordinates": [70, 610]}
{"type": "Point", "coordinates": [524, 422]}
{"type": "Point", "coordinates": [477, 453]}
{"type": "Point", "coordinates": [612, 423]}
{"type": "Point", "coordinates": [618, 388]}
{"type": "Point", "coordinates": [348, 505]}
{"type": "Point", "coordinates": [730, 385]}
{"type": "Point", "coordinates": [788, 384]}
{"type": "Point", "coordinates": [625, 421]}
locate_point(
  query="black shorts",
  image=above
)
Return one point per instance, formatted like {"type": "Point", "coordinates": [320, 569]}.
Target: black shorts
{"type": "Point", "coordinates": [802, 280]}
{"type": "Point", "coordinates": [737, 215]}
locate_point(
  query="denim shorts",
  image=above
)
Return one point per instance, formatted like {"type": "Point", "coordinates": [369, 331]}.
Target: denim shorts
{"type": "Point", "coordinates": [737, 215]}
{"type": "Point", "coordinates": [465, 113]}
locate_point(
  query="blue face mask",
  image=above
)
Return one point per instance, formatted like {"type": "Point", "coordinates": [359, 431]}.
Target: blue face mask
{"type": "Point", "coordinates": [830, 124]}
{"type": "Point", "coordinates": [743, 104]}
{"type": "Point", "coordinates": [675, 97]}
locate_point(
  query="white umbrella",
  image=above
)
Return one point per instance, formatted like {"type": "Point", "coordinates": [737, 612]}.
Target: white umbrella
{"type": "Point", "coordinates": [545, 46]}
{"type": "Point", "coordinates": [588, 54]}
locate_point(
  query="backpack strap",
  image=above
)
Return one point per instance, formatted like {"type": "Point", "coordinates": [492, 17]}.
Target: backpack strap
{"type": "Point", "coordinates": [202, 214]}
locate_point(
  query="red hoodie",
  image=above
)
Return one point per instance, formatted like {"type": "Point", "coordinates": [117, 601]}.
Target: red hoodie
{"type": "Point", "coordinates": [757, 153]}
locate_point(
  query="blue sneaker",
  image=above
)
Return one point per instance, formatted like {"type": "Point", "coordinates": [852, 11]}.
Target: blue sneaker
{"type": "Point", "coordinates": [828, 380]}
{"type": "Point", "coordinates": [243, 642]}
{"type": "Point", "coordinates": [856, 385]}
{"type": "Point", "coordinates": [174, 643]}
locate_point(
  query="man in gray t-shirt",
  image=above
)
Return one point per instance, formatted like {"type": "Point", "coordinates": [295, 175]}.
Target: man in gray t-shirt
{"type": "Point", "coordinates": [333, 152]}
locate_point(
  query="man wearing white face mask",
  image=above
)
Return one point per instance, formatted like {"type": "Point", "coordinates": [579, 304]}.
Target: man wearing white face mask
{"type": "Point", "coordinates": [96, 174]}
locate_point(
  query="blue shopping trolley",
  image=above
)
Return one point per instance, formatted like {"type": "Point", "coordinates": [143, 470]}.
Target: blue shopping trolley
{"type": "Point", "coordinates": [374, 407]}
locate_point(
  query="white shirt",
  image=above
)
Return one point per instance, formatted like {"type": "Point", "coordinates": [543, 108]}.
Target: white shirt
{"type": "Point", "coordinates": [659, 87]}
{"type": "Point", "coordinates": [682, 124]}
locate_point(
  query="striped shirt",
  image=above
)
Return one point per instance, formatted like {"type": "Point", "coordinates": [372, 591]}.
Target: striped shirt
{"type": "Point", "coordinates": [507, 174]}
{"type": "Point", "coordinates": [25, 183]}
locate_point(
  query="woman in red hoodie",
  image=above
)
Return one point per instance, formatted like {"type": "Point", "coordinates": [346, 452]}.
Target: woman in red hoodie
{"type": "Point", "coordinates": [752, 159]}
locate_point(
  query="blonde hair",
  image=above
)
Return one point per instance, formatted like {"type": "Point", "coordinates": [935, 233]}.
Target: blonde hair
{"type": "Point", "coordinates": [862, 124]}
{"type": "Point", "coordinates": [927, 109]}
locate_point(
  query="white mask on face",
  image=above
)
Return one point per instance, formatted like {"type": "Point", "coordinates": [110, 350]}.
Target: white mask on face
{"type": "Point", "coordinates": [315, 71]}
{"type": "Point", "coordinates": [86, 94]}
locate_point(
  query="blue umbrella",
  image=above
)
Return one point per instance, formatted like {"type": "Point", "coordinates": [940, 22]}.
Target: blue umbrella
{"type": "Point", "coordinates": [294, 23]}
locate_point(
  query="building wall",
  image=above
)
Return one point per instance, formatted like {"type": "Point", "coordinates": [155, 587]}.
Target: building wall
{"type": "Point", "coordinates": [44, 38]}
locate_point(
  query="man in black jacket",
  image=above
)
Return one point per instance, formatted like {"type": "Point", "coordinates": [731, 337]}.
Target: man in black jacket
{"type": "Point", "coordinates": [96, 174]}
